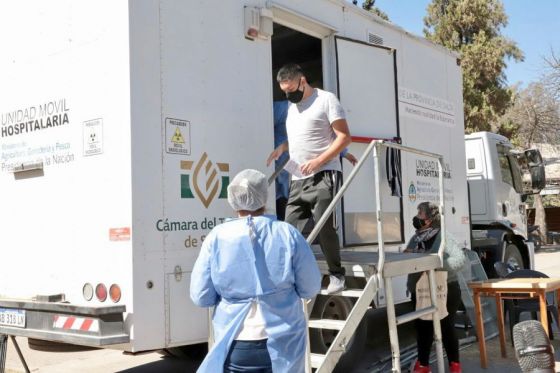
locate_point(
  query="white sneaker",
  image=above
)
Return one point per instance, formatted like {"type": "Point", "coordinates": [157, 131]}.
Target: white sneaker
{"type": "Point", "coordinates": [336, 284]}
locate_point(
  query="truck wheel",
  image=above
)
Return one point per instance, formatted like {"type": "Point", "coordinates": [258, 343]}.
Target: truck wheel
{"type": "Point", "coordinates": [513, 257]}
{"type": "Point", "coordinates": [338, 308]}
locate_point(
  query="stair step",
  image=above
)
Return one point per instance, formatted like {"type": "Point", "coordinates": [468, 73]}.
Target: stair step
{"type": "Point", "coordinates": [407, 317]}
{"type": "Point", "coordinates": [351, 293]}
{"type": "Point", "coordinates": [317, 360]}
{"type": "Point", "coordinates": [327, 324]}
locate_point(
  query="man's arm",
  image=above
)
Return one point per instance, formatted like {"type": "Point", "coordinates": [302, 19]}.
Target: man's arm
{"type": "Point", "coordinates": [276, 153]}
{"type": "Point", "coordinates": [351, 158]}
{"type": "Point", "coordinates": [343, 139]}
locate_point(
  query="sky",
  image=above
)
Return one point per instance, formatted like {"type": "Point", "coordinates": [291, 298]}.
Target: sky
{"type": "Point", "coordinates": [533, 24]}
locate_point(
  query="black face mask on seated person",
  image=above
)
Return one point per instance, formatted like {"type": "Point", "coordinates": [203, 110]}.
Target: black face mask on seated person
{"type": "Point", "coordinates": [418, 223]}
{"type": "Point", "coordinates": [295, 96]}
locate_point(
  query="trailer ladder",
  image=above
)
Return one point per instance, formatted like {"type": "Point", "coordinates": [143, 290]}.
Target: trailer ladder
{"type": "Point", "coordinates": [380, 275]}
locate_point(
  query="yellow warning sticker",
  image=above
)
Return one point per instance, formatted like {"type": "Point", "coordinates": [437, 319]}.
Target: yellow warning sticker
{"type": "Point", "coordinates": [178, 136]}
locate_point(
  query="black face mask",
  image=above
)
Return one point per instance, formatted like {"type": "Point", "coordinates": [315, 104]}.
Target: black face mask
{"type": "Point", "coordinates": [417, 222]}
{"type": "Point", "coordinates": [295, 96]}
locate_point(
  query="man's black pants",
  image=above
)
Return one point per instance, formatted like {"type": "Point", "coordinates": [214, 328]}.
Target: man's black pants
{"type": "Point", "coordinates": [309, 199]}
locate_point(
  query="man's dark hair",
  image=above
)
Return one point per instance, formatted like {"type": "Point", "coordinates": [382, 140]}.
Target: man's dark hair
{"type": "Point", "coordinates": [289, 71]}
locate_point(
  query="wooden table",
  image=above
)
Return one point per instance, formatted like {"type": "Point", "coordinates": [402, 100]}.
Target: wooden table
{"type": "Point", "coordinates": [514, 288]}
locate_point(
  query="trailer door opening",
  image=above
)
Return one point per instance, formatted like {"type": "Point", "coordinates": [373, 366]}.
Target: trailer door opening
{"type": "Point", "coordinates": [291, 46]}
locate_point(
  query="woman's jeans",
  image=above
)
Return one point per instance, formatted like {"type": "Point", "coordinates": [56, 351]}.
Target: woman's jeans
{"type": "Point", "coordinates": [248, 356]}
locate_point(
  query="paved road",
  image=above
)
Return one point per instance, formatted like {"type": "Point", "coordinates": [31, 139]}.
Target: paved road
{"type": "Point", "coordinates": [547, 260]}
{"type": "Point", "coordinates": [94, 361]}
{"type": "Point", "coordinates": [114, 361]}
{"type": "Point", "coordinates": [101, 361]}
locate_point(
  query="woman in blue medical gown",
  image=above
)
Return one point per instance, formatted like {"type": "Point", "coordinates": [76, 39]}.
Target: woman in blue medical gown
{"type": "Point", "coordinates": [255, 271]}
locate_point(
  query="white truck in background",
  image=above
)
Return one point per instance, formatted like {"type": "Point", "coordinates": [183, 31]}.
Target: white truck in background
{"type": "Point", "coordinates": [499, 179]}
{"type": "Point", "coordinates": [123, 121]}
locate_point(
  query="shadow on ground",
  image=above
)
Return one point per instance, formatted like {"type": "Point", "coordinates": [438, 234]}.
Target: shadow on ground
{"type": "Point", "coordinates": [549, 249]}
{"type": "Point", "coordinates": [167, 364]}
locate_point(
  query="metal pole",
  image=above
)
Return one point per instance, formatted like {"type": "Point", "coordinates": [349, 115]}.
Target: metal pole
{"type": "Point", "coordinates": [21, 358]}
{"type": "Point", "coordinates": [435, 319]}
{"type": "Point", "coordinates": [441, 211]}
{"type": "Point", "coordinates": [392, 321]}
{"type": "Point", "coordinates": [379, 213]}
{"type": "Point", "coordinates": [210, 329]}
{"type": "Point", "coordinates": [387, 282]}
{"type": "Point", "coordinates": [338, 196]}
{"type": "Point", "coordinates": [277, 171]}
{"type": "Point", "coordinates": [410, 150]}
{"type": "Point", "coordinates": [3, 345]}
{"type": "Point", "coordinates": [432, 273]}
{"type": "Point", "coordinates": [308, 367]}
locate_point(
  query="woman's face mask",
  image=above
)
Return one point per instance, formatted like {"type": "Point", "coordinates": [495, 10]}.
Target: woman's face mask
{"type": "Point", "coordinates": [418, 223]}
{"type": "Point", "coordinates": [295, 96]}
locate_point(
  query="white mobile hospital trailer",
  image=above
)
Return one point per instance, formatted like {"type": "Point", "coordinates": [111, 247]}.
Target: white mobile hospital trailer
{"type": "Point", "coordinates": [122, 123]}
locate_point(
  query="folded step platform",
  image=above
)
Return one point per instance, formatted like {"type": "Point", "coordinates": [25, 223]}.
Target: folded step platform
{"type": "Point", "coordinates": [363, 263]}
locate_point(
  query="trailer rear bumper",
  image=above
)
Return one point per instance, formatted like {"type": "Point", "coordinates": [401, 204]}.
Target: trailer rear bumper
{"type": "Point", "coordinates": [64, 322]}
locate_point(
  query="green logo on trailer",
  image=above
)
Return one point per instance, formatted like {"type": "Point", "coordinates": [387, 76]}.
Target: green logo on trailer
{"type": "Point", "coordinates": [209, 180]}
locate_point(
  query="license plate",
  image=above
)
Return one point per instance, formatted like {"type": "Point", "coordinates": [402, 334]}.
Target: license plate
{"type": "Point", "coordinates": [11, 317]}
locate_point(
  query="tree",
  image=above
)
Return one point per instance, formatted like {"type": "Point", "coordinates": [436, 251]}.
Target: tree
{"type": "Point", "coordinates": [552, 76]}
{"type": "Point", "coordinates": [540, 218]}
{"type": "Point", "coordinates": [535, 116]}
{"type": "Point", "coordinates": [473, 28]}
{"type": "Point", "coordinates": [369, 5]}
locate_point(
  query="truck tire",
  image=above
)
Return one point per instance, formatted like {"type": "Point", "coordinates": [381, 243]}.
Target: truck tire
{"type": "Point", "coordinates": [513, 257]}
{"type": "Point", "coordinates": [338, 308]}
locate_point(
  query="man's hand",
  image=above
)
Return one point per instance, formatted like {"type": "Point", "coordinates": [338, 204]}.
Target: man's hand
{"type": "Point", "coordinates": [310, 167]}
{"type": "Point", "coordinates": [350, 157]}
{"type": "Point", "coordinates": [276, 153]}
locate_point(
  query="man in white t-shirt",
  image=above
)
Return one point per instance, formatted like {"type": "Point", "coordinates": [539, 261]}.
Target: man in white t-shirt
{"type": "Point", "coordinates": [317, 133]}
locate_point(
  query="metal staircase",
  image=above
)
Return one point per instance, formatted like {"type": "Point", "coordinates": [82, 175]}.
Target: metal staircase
{"type": "Point", "coordinates": [327, 362]}
{"type": "Point", "coordinates": [380, 269]}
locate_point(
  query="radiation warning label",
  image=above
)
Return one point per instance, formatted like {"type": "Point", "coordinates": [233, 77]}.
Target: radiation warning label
{"type": "Point", "coordinates": [178, 136]}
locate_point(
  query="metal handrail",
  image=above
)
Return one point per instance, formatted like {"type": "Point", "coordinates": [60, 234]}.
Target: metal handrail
{"type": "Point", "coordinates": [277, 171]}
{"type": "Point", "coordinates": [340, 193]}
{"type": "Point", "coordinates": [374, 147]}
{"type": "Point", "coordinates": [317, 228]}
